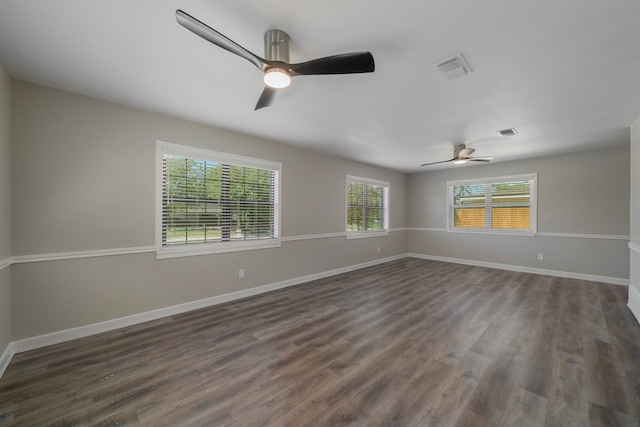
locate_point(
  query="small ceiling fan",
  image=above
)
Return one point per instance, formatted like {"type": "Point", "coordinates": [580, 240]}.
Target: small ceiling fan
{"type": "Point", "coordinates": [275, 66]}
{"type": "Point", "coordinates": [461, 156]}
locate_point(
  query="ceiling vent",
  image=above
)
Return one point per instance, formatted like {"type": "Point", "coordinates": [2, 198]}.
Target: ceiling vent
{"type": "Point", "coordinates": [453, 67]}
{"type": "Point", "coordinates": [508, 132]}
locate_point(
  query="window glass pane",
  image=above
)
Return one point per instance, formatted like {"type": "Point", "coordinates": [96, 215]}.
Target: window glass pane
{"type": "Point", "coordinates": [205, 201]}
{"type": "Point", "coordinates": [469, 217]}
{"type": "Point", "coordinates": [472, 194]}
{"type": "Point", "coordinates": [355, 219]}
{"type": "Point", "coordinates": [366, 206]}
{"type": "Point", "coordinates": [516, 192]}
{"type": "Point", "coordinates": [175, 235]}
{"type": "Point", "coordinates": [510, 217]}
{"type": "Point", "coordinates": [374, 219]}
{"type": "Point", "coordinates": [375, 196]}
{"type": "Point", "coordinates": [510, 205]}
{"type": "Point", "coordinates": [355, 194]}
{"type": "Point", "coordinates": [500, 204]}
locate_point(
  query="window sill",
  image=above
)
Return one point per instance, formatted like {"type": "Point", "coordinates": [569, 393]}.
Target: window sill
{"type": "Point", "coordinates": [524, 233]}
{"type": "Point", "coordinates": [365, 234]}
{"type": "Point", "coordinates": [213, 248]}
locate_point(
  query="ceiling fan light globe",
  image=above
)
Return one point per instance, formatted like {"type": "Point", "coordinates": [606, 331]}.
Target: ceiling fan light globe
{"type": "Point", "coordinates": [460, 162]}
{"type": "Point", "coordinates": [277, 78]}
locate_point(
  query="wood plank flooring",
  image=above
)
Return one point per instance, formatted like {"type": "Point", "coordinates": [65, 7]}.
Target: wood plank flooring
{"type": "Point", "coordinates": [406, 343]}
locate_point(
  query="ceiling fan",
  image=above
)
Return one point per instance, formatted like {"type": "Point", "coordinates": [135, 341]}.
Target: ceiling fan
{"type": "Point", "coordinates": [461, 155]}
{"type": "Point", "coordinates": [275, 66]}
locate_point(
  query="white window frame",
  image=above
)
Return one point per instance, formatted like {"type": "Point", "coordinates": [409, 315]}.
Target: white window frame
{"type": "Point", "coordinates": [191, 249]}
{"type": "Point", "coordinates": [367, 233]}
{"type": "Point", "coordinates": [533, 205]}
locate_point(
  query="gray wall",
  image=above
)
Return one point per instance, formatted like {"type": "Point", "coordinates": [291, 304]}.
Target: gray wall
{"type": "Point", "coordinates": [5, 208]}
{"type": "Point", "coordinates": [635, 210]}
{"type": "Point", "coordinates": [83, 180]}
{"type": "Point", "coordinates": [584, 193]}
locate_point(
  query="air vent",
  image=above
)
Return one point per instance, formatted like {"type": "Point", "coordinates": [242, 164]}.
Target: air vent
{"type": "Point", "coordinates": [453, 67]}
{"type": "Point", "coordinates": [508, 132]}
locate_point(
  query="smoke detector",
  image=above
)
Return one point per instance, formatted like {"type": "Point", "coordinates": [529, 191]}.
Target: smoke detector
{"type": "Point", "coordinates": [453, 67]}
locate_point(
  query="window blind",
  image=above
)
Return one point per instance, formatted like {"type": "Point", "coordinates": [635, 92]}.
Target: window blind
{"type": "Point", "coordinates": [215, 202]}
{"type": "Point", "coordinates": [501, 203]}
{"type": "Point", "coordinates": [206, 201]}
{"type": "Point", "coordinates": [367, 205]}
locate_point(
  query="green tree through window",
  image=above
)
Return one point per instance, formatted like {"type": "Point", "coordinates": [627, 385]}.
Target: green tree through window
{"type": "Point", "coordinates": [205, 201]}
{"type": "Point", "coordinates": [213, 202]}
{"type": "Point", "coordinates": [367, 205]}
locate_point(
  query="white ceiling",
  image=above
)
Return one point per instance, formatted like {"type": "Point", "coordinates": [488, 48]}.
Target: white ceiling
{"type": "Point", "coordinates": [564, 73]}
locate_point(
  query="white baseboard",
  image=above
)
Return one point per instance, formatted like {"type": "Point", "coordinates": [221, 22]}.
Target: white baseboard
{"type": "Point", "coordinates": [6, 357]}
{"type": "Point", "coordinates": [634, 302]}
{"type": "Point", "coordinates": [509, 267]}
{"type": "Point", "coordinates": [109, 325]}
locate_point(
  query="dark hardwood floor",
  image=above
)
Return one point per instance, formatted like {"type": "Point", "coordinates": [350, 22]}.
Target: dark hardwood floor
{"type": "Point", "coordinates": [407, 343]}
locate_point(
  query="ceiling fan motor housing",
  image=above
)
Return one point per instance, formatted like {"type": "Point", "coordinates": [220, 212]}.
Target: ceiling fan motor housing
{"type": "Point", "coordinates": [276, 46]}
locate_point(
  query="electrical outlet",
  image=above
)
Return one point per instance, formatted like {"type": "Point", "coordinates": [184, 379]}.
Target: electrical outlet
{"type": "Point", "coordinates": [540, 257]}
{"type": "Point", "coordinates": [241, 273]}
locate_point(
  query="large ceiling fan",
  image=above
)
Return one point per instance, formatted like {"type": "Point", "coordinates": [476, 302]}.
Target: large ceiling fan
{"type": "Point", "coordinates": [275, 66]}
{"type": "Point", "coordinates": [461, 155]}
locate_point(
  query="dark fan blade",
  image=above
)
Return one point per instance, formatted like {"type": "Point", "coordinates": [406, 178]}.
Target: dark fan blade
{"type": "Point", "coordinates": [346, 63]}
{"type": "Point", "coordinates": [208, 33]}
{"type": "Point", "coordinates": [479, 159]}
{"type": "Point", "coordinates": [435, 163]}
{"type": "Point", "coordinates": [267, 97]}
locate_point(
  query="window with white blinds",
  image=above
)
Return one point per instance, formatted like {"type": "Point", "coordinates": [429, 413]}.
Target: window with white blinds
{"type": "Point", "coordinates": [367, 207]}
{"type": "Point", "coordinates": [212, 202]}
{"type": "Point", "coordinates": [499, 204]}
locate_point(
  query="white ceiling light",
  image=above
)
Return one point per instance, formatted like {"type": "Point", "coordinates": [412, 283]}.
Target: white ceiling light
{"type": "Point", "coordinates": [277, 78]}
{"type": "Point", "coordinates": [460, 162]}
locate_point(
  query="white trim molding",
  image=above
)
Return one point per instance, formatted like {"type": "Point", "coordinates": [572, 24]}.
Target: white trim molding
{"type": "Point", "coordinates": [20, 259]}
{"type": "Point", "coordinates": [496, 232]}
{"type": "Point", "coordinates": [634, 290]}
{"type": "Point", "coordinates": [338, 234]}
{"type": "Point", "coordinates": [313, 236]}
{"type": "Point", "coordinates": [584, 236]}
{"type": "Point", "coordinates": [634, 302]}
{"type": "Point", "coordinates": [366, 234]}
{"type": "Point", "coordinates": [109, 325]}
{"type": "Point", "coordinates": [6, 357]}
{"type": "Point", "coordinates": [538, 234]}
{"type": "Point", "coordinates": [510, 267]}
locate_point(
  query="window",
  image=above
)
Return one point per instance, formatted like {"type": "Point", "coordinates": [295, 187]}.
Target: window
{"type": "Point", "coordinates": [367, 207]}
{"type": "Point", "coordinates": [502, 204]}
{"type": "Point", "coordinates": [210, 202]}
